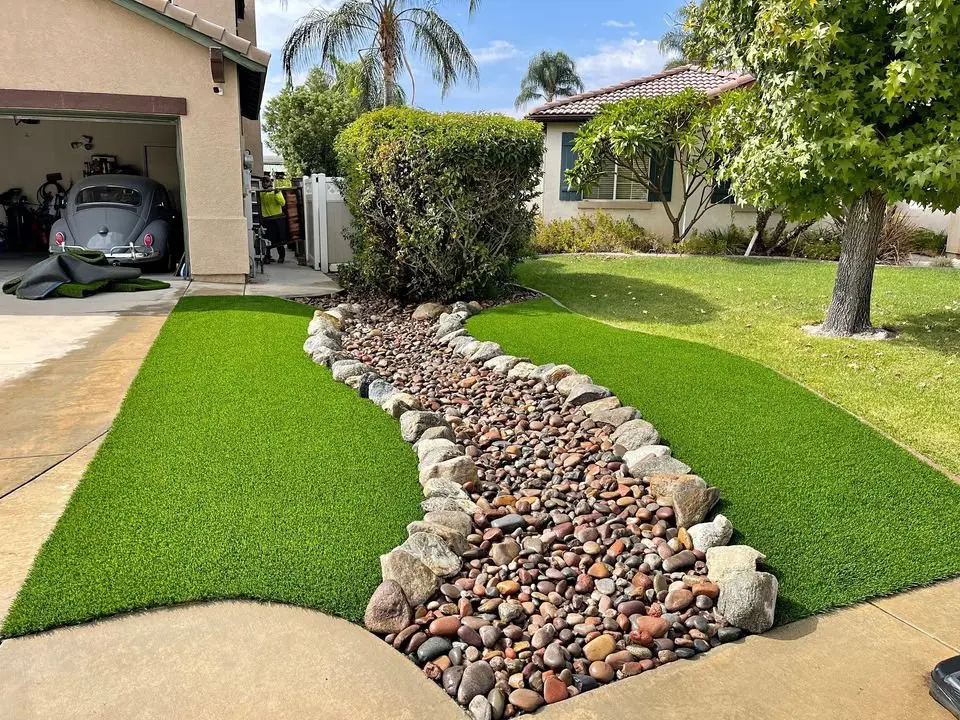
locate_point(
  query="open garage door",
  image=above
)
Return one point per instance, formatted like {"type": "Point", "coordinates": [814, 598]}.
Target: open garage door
{"type": "Point", "coordinates": [46, 155]}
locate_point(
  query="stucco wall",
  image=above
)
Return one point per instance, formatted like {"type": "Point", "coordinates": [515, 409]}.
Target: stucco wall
{"type": "Point", "coordinates": [953, 235]}
{"type": "Point", "coordinates": [221, 12]}
{"type": "Point", "coordinates": [112, 50]}
{"type": "Point", "coordinates": [650, 215]}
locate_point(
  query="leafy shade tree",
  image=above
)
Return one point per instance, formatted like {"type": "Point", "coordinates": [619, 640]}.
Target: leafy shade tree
{"type": "Point", "coordinates": [384, 33]}
{"type": "Point", "coordinates": [551, 75]}
{"type": "Point", "coordinates": [303, 122]}
{"type": "Point", "coordinates": [856, 106]}
{"type": "Point", "coordinates": [645, 139]}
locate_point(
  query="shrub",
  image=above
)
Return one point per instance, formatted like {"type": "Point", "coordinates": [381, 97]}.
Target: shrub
{"type": "Point", "coordinates": [930, 242]}
{"type": "Point", "coordinates": [441, 203]}
{"type": "Point", "coordinates": [598, 232]}
{"type": "Point", "coordinates": [731, 240]}
{"type": "Point", "coordinates": [818, 246]}
{"type": "Point", "coordinates": [941, 261]}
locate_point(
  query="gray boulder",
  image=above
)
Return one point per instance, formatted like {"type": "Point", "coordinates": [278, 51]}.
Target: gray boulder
{"type": "Point", "coordinates": [730, 559]}
{"type": "Point", "coordinates": [711, 534]}
{"type": "Point", "coordinates": [380, 390]}
{"type": "Point", "coordinates": [645, 465]}
{"type": "Point", "coordinates": [748, 600]}
{"type": "Point", "coordinates": [315, 342]}
{"type": "Point", "coordinates": [617, 416]}
{"type": "Point", "coordinates": [635, 434]}
{"type": "Point", "coordinates": [456, 541]}
{"type": "Point", "coordinates": [457, 521]}
{"type": "Point", "coordinates": [324, 356]}
{"type": "Point", "coordinates": [388, 610]}
{"type": "Point", "coordinates": [399, 404]}
{"type": "Point", "coordinates": [451, 336]}
{"type": "Point", "coordinates": [461, 341]}
{"type": "Point", "coordinates": [433, 552]}
{"type": "Point", "coordinates": [601, 405]}
{"type": "Point", "coordinates": [414, 422]}
{"type": "Point", "coordinates": [558, 373]}
{"type": "Point", "coordinates": [437, 456]}
{"type": "Point", "coordinates": [440, 432]}
{"type": "Point", "coordinates": [460, 470]}
{"type": "Point", "coordinates": [540, 372]}
{"type": "Point", "coordinates": [565, 385]}
{"type": "Point", "coordinates": [424, 446]}
{"type": "Point", "coordinates": [691, 504]}
{"type": "Point", "coordinates": [443, 488]}
{"type": "Point", "coordinates": [586, 393]}
{"type": "Point", "coordinates": [324, 324]}
{"type": "Point", "coordinates": [467, 349]}
{"type": "Point", "coordinates": [345, 369]}
{"type": "Point", "coordinates": [521, 371]}
{"type": "Point", "coordinates": [417, 581]}
{"type": "Point", "coordinates": [486, 351]}
{"type": "Point", "coordinates": [429, 311]}
{"type": "Point", "coordinates": [435, 504]}
{"type": "Point", "coordinates": [502, 364]}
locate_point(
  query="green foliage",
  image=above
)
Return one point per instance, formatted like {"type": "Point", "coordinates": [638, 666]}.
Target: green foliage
{"type": "Point", "coordinates": [851, 97]}
{"type": "Point", "coordinates": [303, 122]}
{"type": "Point", "coordinates": [930, 242]}
{"type": "Point", "coordinates": [550, 75]}
{"type": "Point", "coordinates": [817, 246]}
{"type": "Point", "coordinates": [598, 232]}
{"type": "Point", "coordinates": [631, 132]}
{"type": "Point", "coordinates": [441, 202]}
{"type": "Point", "coordinates": [731, 240]}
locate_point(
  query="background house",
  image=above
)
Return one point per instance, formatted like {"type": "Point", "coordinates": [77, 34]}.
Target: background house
{"type": "Point", "coordinates": [618, 196]}
{"type": "Point", "coordinates": [171, 91]}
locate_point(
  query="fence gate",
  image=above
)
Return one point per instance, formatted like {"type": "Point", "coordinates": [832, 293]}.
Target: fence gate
{"type": "Point", "coordinates": [327, 221]}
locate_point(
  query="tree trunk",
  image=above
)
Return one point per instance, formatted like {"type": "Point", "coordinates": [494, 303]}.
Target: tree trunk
{"type": "Point", "coordinates": [388, 55]}
{"type": "Point", "coordinates": [849, 311]}
{"type": "Point", "coordinates": [760, 227]}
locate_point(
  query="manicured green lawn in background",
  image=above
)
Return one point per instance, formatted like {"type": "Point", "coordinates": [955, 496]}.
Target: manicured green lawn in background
{"type": "Point", "coordinates": [841, 512]}
{"type": "Point", "coordinates": [909, 387]}
{"type": "Point", "coordinates": [236, 468]}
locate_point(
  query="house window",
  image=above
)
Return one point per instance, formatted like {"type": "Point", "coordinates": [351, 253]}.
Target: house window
{"type": "Point", "coordinates": [721, 194]}
{"type": "Point", "coordinates": [615, 184]}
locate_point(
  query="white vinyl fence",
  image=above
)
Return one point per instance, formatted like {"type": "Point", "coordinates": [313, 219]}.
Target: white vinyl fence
{"type": "Point", "coordinates": [326, 219]}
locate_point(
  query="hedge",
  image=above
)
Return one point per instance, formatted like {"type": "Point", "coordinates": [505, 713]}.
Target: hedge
{"type": "Point", "coordinates": [442, 203]}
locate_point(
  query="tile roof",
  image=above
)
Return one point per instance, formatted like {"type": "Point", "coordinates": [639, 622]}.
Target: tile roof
{"type": "Point", "coordinates": [215, 32]}
{"type": "Point", "coordinates": [668, 82]}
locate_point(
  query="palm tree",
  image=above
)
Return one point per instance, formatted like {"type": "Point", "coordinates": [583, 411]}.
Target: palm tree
{"type": "Point", "coordinates": [551, 75]}
{"type": "Point", "coordinates": [383, 32]}
{"type": "Point", "coordinates": [675, 43]}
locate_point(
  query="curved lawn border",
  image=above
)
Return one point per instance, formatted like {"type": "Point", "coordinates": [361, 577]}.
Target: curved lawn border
{"type": "Point", "coordinates": [842, 513]}
{"type": "Point", "coordinates": [235, 469]}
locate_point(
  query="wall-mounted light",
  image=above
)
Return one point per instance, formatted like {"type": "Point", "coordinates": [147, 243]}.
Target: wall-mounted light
{"type": "Point", "coordinates": [84, 143]}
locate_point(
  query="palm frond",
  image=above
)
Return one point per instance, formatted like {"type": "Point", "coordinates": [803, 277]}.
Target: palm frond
{"type": "Point", "coordinates": [550, 75]}
{"type": "Point", "coordinates": [327, 34]}
{"type": "Point", "coordinates": [440, 45]}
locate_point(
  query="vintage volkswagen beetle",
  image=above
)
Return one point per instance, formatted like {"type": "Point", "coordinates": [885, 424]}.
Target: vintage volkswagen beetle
{"type": "Point", "coordinates": [129, 219]}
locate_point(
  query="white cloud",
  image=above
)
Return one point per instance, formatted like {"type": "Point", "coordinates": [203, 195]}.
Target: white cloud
{"type": "Point", "coordinates": [495, 51]}
{"type": "Point", "coordinates": [620, 61]}
{"type": "Point", "coordinates": [619, 24]}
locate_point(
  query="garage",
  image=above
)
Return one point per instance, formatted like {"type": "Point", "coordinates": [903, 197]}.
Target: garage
{"type": "Point", "coordinates": [105, 158]}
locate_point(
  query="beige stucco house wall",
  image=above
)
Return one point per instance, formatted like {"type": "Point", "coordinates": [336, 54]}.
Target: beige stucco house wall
{"type": "Point", "coordinates": [105, 49]}
{"type": "Point", "coordinates": [650, 215]}
{"type": "Point", "coordinates": [953, 235]}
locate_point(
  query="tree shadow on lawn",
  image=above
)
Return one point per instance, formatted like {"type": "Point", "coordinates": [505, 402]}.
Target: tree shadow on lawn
{"type": "Point", "coordinates": [615, 298]}
{"type": "Point", "coordinates": [935, 330]}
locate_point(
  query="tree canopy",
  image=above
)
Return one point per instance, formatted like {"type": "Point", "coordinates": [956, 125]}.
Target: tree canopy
{"type": "Point", "coordinates": [303, 122]}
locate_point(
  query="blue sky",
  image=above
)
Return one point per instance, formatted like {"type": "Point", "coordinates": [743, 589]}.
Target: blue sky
{"type": "Point", "coordinates": [611, 40]}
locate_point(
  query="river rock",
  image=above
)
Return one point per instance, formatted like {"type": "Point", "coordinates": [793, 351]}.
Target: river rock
{"type": "Point", "coordinates": [504, 553]}
{"type": "Point", "coordinates": [417, 581]}
{"type": "Point", "coordinates": [429, 311]}
{"type": "Point", "coordinates": [617, 416]}
{"type": "Point", "coordinates": [586, 393]}
{"type": "Point", "coordinates": [478, 679]}
{"type": "Point", "coordinates": [388, 610]}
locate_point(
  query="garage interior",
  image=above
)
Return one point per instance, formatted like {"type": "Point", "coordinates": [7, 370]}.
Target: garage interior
{"type": "Point", "coordinates": [40, 152]}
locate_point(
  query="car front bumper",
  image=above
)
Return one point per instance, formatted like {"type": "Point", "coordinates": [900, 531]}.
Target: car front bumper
{"type": "Point", "coordinates": [126, 254]}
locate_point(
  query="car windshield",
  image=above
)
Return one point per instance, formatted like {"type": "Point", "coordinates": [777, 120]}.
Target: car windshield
{"type": "Point", "coordinates": [109, 194]}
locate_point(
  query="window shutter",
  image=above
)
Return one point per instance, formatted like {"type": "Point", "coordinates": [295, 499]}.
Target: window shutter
{"type": "Point", "coordinates": [721, 194]}
{"type": "Point", "coordinates": [568, 158]}
{"type": "Point", "coordinates": [661, 163]}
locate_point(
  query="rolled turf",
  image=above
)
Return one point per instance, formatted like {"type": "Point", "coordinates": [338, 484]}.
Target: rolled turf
{"type": "Point", "coordinates": [235, 468]}
{"type": "Point", "coordinates": [842, 513]}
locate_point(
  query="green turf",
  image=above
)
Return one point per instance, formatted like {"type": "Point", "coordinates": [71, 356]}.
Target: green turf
{"type": "Point", "coordinates": [842, 513]}
{"type": "Point", "coordinates": [909, 387]}
{"type": "Point", "coordinates": [236, 468]}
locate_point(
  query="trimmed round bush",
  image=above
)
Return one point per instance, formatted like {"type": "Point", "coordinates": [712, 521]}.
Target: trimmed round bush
{"type": "Point", "coordinates": [442, 203]}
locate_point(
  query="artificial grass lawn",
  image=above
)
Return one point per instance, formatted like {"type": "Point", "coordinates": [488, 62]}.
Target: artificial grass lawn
{"type": "Point", "coordinates": [236, 468]}
{"type": "Point", "coordinates": [909, 387]}
{"type": "Point", "coordinates": [841, 512]}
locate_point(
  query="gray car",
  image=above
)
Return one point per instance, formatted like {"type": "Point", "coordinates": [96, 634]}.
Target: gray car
{"type": "Point", "coordinates": [129, 219]}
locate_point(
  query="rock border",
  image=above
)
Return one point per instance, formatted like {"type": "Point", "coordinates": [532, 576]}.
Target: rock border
{"type": "Point", "coordinates": [414, 572]}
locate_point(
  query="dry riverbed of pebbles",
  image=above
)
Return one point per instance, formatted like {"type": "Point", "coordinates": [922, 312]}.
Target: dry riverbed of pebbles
{"type": "Point", "coordinates": [562, 546]}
